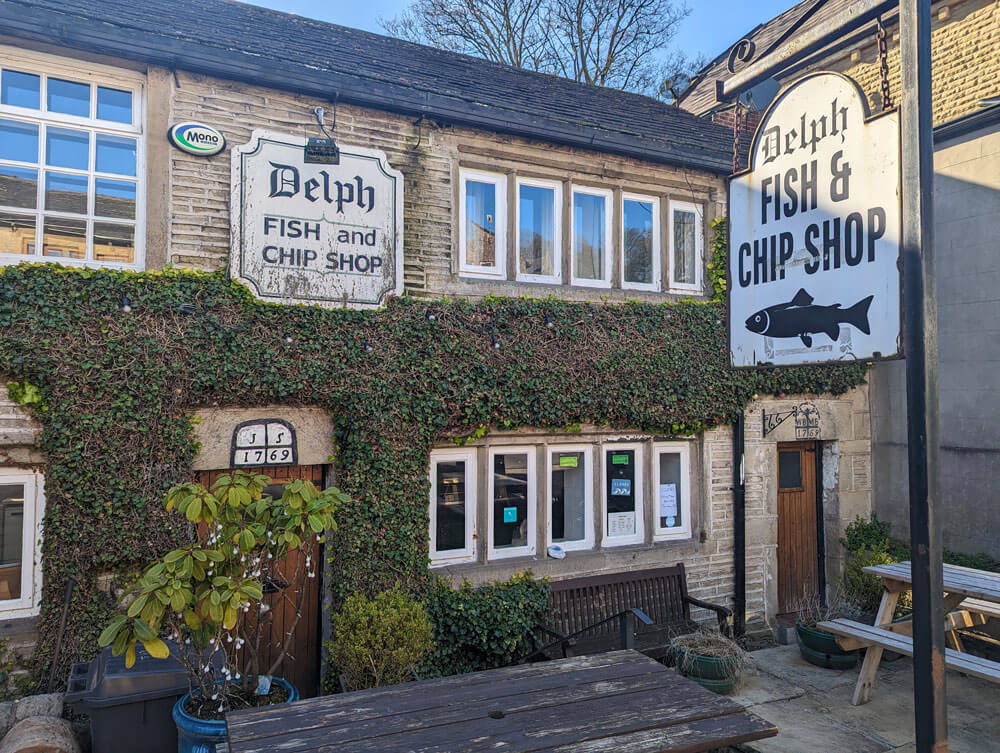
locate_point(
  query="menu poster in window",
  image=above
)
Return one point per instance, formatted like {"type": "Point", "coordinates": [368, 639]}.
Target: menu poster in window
{"type": "Point", "coordinates": [265, 442]}
{"type": "Point", "coordinates": [668, 500]}
{"type": "Point", "coordinates": [621, 523]}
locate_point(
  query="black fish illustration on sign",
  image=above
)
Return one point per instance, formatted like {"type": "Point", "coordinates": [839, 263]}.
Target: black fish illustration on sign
{"type": "Point", "coordinates": [800, 318]}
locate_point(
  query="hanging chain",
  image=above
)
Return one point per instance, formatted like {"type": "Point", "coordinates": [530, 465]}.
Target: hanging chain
{"type": "Point", "coordinates": [883, 62]}
{"type": "Point", "coordinates": [737, 130]}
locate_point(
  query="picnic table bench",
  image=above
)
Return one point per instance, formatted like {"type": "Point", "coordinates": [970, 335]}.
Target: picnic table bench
{"type": "Point", "coordinates": [621, 702]}
{"type": "Point", "coordinates": [640, 609]}
{"type": "Point", "coordinates": [971, 597]}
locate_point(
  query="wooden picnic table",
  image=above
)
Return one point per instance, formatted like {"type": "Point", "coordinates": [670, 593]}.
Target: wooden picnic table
{"type": "Point", "coordinates": [970, 598]}
{"type": "Point", "coordinates": [620, 701]}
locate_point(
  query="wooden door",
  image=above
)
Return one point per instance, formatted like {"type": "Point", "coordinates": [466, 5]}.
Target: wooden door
{"type": "Point", "coordinates": [798, 564]}
{"type": "Point", "coordinates": [301, 666]}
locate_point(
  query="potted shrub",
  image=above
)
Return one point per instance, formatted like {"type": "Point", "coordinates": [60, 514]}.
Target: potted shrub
{"type": "Point", "coordinates": [379, 642]}
{"type": "Point", "coordinates": [200, 596]}
{"type": "Point", "coordinates": [818, 646]}
{"type": "Point", "coordinates": [710, 659]}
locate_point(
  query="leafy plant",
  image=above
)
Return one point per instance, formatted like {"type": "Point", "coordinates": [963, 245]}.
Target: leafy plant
{"type": "Point", "coordinates": [871, 534]}
{"type": "Point", "coordinates": [380, 641]}
{"type": "Point", "coordinates": [485, 627]}
{"type": "Point", "coordinates": [201, 594]}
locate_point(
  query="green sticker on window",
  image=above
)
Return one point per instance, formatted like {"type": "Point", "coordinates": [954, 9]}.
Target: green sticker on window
{"type": "Point", "coordinates": [569, 461]}
{"type": "Point", "coordinates": [619, 460]}
{"type": "Point", "coordinates": [510, 515]}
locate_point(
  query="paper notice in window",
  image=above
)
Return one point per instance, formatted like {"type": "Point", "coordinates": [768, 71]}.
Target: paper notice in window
{"type": "Point", "coordinates": [668, 500]}
{"type": "Point", "coordinates": [621, 523]}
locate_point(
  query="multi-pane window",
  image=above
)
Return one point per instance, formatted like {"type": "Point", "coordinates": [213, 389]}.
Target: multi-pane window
{"type": "Point", "coordinates": [539, 221]}
{"type": "Point", "coordinates": [686, 240]}
{"type": "Point", "coordinates": [623, 509]}
{"type": "Point", "coordinates": [591, 237]}
{"type": "Point", "coordinates": [571, 479]}
{"type": "Point", "coordinates": [482, 237]}
{"type": "Point", "coordinates": [70, 167]}
{"type": "Point", "coordinates": [512, 502]}
{"type": "Point", "coordinates": [640, 243]}
{"type": "Point", "coordinates": [453, 505]}
{"type": "Point", "coordinates": [672, 490]}
{"type": "Point", "coordinates": [21, 504]}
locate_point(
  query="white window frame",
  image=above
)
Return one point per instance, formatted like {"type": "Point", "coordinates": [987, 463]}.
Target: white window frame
{"type": "Point", "coordinates": [699, 246]}
{"type": "Point", "coordinates": [529, 548]}
{"type": "Point", "coordinates": [640, 508]}
{"type": "Point", "coordinates": [499, 181]}
{"type": "Point", "coordinates": [657, 250]}
{"type": "Point", "coordinates": [557, 215]}
{"type": "Point", "coordinates": [588, 499]}
{"type": "Point", "coordinates": [468, 553]}
{"type": "Point", "coordinates": [684, 502]}
{"type": "Point", "coordinates": [94, 75]}
{"type": "Point", "coordinates": [609, 248]}
{"type": "Point", "coordinates": [29, 604]}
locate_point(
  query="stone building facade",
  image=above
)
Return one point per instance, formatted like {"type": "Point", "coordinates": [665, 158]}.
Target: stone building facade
{"type": "Point", "coordinates": [625, 151]}
{"type": "Point", "coordinates": [964, 37]}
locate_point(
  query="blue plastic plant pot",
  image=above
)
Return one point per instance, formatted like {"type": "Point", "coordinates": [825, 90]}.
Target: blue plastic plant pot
{"type": "Point", "coordinates": [196, 735]}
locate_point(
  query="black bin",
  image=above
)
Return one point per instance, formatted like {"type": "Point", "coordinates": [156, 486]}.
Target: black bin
{"type": "Point", "coordinates": [129, 709]}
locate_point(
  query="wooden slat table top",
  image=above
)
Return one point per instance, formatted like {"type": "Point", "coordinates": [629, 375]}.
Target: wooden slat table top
{"type": "Point", "coordinates": [978, 584]}
{"type": "Point", "coordinates": [620, 701]}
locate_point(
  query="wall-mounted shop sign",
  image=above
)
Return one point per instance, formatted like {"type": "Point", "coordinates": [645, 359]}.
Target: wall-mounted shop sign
{"type": "Point", "coordinates": [316, 233]}
{"type": "Point", "coordinates": [268, 441]}
{"type": "Point", "coordinates": [814, 231]}
{"type": "Point", "coordinates": [196, 138]}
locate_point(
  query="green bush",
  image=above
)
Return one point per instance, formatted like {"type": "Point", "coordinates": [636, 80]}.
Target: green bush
{"type": "Point", "coordinates": [860, 588]}
{"type": "Point", "coordinates": [379, 642]}
{"type": "Point", "coordinates": [485, 627]}
{"type": "Point", "coordinates": [862, 534]}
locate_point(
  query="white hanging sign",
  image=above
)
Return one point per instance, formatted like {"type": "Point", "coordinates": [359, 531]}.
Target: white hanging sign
{"type": "Point", "coordinates": [814, 231]}
{"type": "Point", "coordinates": [316, 233]}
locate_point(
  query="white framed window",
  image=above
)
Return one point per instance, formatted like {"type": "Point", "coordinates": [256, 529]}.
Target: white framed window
{"type": "Point", "coordinates": [687, 245]}
{"type": "Point", "coordinates": [592, 238]}
{"type": "Point", "coordinates": [72, 177]}
{"type": "Point", "coordinates": [671, 490]}
{"type": "Point", "coordinates": [640, 242]}
{"type": "Point", "coordinates": [22, 505]}
{"type": "Point", "coordinates": [539, 231]}
{"type": "Point", "coordinates": [571, 496]}
{"type": "Point", "coordinates": [482, 227]}
{"type": "Point", "coordinates": [621, 500]}
{"type": "Point", "coordinates": [512, 502]}
{"type": "Point", "coordinates": [453, 506]}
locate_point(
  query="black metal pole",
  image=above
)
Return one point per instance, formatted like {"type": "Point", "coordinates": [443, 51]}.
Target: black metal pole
{"type": "Point", "coordinates": [739, 532]}
{"type": "Point", "coordinates": [920, 303]}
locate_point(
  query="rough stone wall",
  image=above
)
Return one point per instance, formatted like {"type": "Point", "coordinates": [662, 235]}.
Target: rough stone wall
{"type": "Point", "coordinates": [429, 156]}
{"type": "Point", "coordinates": [18, 432]}
{"type": "Point", "coordinates": [965, 37]}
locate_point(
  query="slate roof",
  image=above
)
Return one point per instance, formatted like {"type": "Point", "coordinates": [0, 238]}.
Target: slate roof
{"type": "Point", "coordinates": [245, 43]}
{"type": "Point", "coordinates": [699, 98]}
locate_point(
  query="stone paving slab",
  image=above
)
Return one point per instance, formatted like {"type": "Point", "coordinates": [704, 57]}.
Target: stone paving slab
{"type": "Point", "coordinates": [821, 719]}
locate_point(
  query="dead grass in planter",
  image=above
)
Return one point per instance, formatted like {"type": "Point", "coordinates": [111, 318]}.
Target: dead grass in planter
{"type": "Point", "coordinates": [736, 663]}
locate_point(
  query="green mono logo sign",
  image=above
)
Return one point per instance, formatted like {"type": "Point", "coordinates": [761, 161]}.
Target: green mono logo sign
{"type": "Point", "coordinates": [196, 138]}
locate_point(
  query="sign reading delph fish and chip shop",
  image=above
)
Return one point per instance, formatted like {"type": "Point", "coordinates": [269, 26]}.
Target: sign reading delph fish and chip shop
{"type": "Point", "coordinates": [316, 233]}
{"type": "Point", "coordinates": [814, 231]}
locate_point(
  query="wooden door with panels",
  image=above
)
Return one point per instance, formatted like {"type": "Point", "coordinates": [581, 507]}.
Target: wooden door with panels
{"type": "Point", "coordinates": [301, 665]}
{"type": "Point", "coordinates": [798, 544]}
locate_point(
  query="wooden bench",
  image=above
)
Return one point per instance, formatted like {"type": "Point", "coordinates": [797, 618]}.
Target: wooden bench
{"type": "Point", "coordinates": [579, 604]}
{"type": "Point", "coordinates": [853, 635]}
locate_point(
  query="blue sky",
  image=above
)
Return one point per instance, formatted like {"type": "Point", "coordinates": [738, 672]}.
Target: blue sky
{"type": "Point", "coordinates": [711, 28]}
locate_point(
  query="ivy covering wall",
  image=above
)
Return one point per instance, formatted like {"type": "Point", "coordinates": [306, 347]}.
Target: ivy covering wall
{"type": "Point", "coordinates": [114, 392]}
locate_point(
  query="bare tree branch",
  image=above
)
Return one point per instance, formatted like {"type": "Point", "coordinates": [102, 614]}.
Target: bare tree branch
{"type": "Point", "coordinates": [613, 43]}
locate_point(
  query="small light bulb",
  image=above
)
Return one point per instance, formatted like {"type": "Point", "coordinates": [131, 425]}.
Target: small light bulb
{"type": "Point", "coordinates": [496, 342]}
{"type": "Point", "coordinates": [548, 322]}
{"type": "Point", "coordinates": [126, 304]}
{"type": "Point", "coordinates": [287, 338]}
{"type": "Point", "coordinates": [368, 347]}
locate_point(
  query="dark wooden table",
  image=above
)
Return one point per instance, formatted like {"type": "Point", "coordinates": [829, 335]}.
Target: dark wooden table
{"type": "Point", "coordinates": [620, 701]}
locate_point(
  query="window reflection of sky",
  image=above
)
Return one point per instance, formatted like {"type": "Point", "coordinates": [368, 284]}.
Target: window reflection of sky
{"type": "Point", "coordinates": [588, 236]}
{"type": "Point", "coordinates": [537, 229]}
{"type": "Point", "coordinates": [20, 89]}
{"type": "Point", "coordinates": [68, 97]}
{"type": "Point", "coordinates": [18, 141]}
